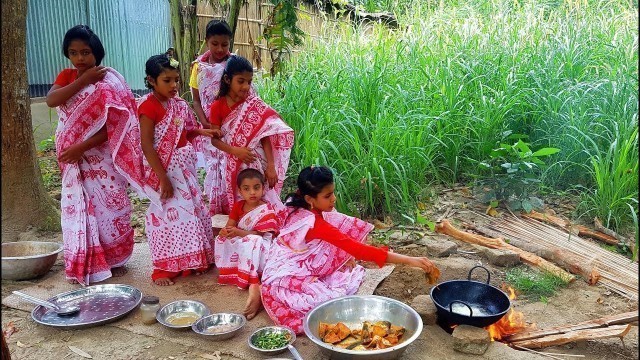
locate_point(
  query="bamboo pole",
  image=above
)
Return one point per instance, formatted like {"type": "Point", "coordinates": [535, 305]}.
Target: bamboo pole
{"type": "Point", "coordinates": [618, 331]}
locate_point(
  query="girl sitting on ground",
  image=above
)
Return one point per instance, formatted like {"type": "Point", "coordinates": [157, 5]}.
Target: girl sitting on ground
{"type": "Point", "coordinates": [312, 259]}
{"type": "Point", "coordinates": [242, 244]}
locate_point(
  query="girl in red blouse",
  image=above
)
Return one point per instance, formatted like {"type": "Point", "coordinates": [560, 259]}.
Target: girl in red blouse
{"type": "Point", "coordinates": [312, 259]}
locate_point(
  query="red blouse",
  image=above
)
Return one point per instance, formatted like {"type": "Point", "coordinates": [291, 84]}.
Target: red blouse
{"type": "Point", "coordinates": [237, 212]}
{"type": "Point", "coordinates": [66, 77]}
{"type": "Point", "coordinates": [329, 233]}
{"type": "Point", "coordinates": [153, 109]}
{"type": "Point", "coordinates": [220, 110]}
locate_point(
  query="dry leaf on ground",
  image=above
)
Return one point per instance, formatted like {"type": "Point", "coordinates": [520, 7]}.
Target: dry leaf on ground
{"type": "Point", "coordinates": [80, 352]}
{"type": "Point", "coordinates": [9, 330]}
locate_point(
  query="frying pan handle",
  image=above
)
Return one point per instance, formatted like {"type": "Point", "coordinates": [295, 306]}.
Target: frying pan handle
{"type": "Point", "coordinates": [480, 266]}
{"type": "Point", "coordinates": [463, 303]}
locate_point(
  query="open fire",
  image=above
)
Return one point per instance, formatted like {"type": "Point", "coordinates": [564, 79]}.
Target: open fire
{"type": "Point", "coordinates": [512, 322]}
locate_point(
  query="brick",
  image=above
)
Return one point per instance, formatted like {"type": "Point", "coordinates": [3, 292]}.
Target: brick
{"type": "Point", "coordinates": [499, 257]}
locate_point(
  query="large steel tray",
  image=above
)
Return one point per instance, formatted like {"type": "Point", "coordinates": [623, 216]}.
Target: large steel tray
{"type": "Point", "coordinates": [99, 304]}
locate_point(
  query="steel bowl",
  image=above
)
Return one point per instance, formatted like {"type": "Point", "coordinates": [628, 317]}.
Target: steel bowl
{"type": "Point", "coordinates": [353, 311]}
{"type": "Point", "coordinates": [206, 325]}
{"type": "Point", "coordinates": [271, 330]}
{"type": "Point", "coordinates": [178, 307]}
{"type": "Point", "coordinates": [26, 260]}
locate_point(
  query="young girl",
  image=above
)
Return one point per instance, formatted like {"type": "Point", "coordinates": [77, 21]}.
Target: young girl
{"type": "Point", "coordinates": [177, 224]}
{"type": "Point", "coordinates": [311, 261]}
{"type": "Point", "coordinates": [254, 136]}
{"type": "Point", "coordinates": [242, 244]}
{"type": "Point", "coordinates": [94, 103]}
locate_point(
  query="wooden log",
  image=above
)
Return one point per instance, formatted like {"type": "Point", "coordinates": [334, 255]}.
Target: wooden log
{"type": "Point", "coordinates": [579, 230]}
{"type": "Point", "coordinates": [445, 227]}
{"type": "Point", "coordinates": [6, 354]}
{"type": "Point", "coordinates": [587, 334]}
{"type": "Point", "coordinates": [619, 319]}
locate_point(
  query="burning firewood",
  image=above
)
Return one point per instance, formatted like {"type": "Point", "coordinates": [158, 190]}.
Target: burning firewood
{"type": "Point", "coordinates": [445, 227]}
{"type": "Point", "coordinates": [620, 319]}
{"type": "Point", "coordinates": [587, 334]}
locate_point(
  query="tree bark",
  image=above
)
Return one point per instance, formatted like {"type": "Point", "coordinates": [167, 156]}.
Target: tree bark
{"type": "Point", "coordinates": [184, 24]}
{"type": "Point", "coordinates": [234, 14]}
{"type": "Point", "coordinates": [24, 200]}
{"type": "Point", "coordinates": [445, 227]}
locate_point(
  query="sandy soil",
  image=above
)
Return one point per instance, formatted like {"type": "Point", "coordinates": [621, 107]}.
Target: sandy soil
{"type": "Point", "coordinates": [578, 302]}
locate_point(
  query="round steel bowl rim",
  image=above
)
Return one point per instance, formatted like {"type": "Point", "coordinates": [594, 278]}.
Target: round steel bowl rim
{"type": "Point", "coordinates": [32, 256]}
{"type": "Point", "coordinates": [242, 323]}
{"type": "Point", "coordinates": [107, 320]}
{"type": "Point", "coordinates": [327, 346]}
{"type": "Point", "coordinates": [467, 281]}
{"type": "Point", "coordinates": [161, 320]}
{"type": "Point", "coordinates": [286, 328]}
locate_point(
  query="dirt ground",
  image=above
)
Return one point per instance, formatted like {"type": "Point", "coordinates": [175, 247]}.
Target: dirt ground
{"type": "Point", "coordinates": [575, 303]}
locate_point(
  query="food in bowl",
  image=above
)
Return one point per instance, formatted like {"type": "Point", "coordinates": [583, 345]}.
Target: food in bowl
{"type": "Point", "coordinates": [270, 341]}
{"type": "Point", "coordinates": [368, 336]}
{"type": "Point", "coordinates": [186, 318]}
{"type": "Point", "coordinates": [219, 329]}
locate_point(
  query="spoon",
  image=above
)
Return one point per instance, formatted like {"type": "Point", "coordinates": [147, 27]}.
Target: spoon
{"type": "Point", "coordinates": [68, 310]}
{"type": "Point", "coordinates": [294, 352]}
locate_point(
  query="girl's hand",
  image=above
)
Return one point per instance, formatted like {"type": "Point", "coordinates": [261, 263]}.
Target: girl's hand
{"type": "Point", "coordinates": [244, 154]}
{"type": "Point", "coordinates": [233, 231]}
{"type": "Point", "coordinates": [431, 271]}
{"type": "Point", "coordinates": [72, 154]}
{"type": "Point", "coordinates": [271, 175]}
{"type": "Point", "coordinates": [224, 232]}
{"type": "Point", "coordinates": [166, 189]}
{"type": "Point", "coordinates": [210, 133]}
{"type": "Point", "coordinates": [93, 75]}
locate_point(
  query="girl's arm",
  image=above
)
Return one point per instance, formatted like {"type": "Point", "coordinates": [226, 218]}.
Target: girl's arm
{"type": "Point", "coordinates": [197, 107]}
{"type": "Point", "coordinates": [147, 128]}
{"type": "Point", "coordinates": [270, 172]}
{"type": "Point", "coordinates": [242, 153]}
{"type": "Point", "coordinates": [74, 152]}
{"type": "Point", "coordinates": [58, 95]}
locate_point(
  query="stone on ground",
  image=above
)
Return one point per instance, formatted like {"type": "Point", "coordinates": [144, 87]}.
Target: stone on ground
{"type": "Point", "coordinates": [439, 246]}
{"type": "Point", "coordinates": [470, 339]}
{"type": "Point", "coordinates": [423, 305]}
{"type": "Point", "coordinates": [499, 257]}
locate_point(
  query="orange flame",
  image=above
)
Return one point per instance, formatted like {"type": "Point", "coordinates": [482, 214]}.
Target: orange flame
{"type": "Point", "coordinates": [512, 322]}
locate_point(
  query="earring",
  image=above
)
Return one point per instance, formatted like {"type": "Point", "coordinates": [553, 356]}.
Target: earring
{"type": "Point", "coordinates": [311, 206]}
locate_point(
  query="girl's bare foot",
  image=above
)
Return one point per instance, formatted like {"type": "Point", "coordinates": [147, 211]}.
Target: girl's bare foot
{"type": "Point", "coordinates": [72, 281]}
{"type": "Point", "coordinates": [118, 271]}
{"type": "Point", "coordinates": [163, 281]}
{"type": "Point", "coordinates": [254, 302]}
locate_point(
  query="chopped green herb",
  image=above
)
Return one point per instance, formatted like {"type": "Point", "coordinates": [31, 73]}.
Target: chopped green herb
{"type": "Point", "coordinates": [272, 341]}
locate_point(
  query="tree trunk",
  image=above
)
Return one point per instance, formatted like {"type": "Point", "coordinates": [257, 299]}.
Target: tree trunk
{"type": "Point", "coordinates": [184, 24]}
{"type": "Point", "coordinates": [24, 200]}
{"type": "Point", "coordinates": [234, 14]}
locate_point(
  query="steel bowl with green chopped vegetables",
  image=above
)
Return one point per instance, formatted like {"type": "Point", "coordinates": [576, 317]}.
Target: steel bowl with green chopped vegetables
{"type": "Point", "coordinates": [273, 340]}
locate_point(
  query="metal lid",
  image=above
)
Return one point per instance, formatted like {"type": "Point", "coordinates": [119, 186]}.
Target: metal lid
{"type": "Point", "coordinates": [150, 299]}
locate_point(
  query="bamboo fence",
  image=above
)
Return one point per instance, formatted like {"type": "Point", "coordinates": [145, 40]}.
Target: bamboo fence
{"type": "Point", "coordinates": [253, 16]}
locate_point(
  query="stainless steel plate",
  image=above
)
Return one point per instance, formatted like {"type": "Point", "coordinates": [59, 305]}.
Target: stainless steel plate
{"type": "Point", "coordinates": [99, 304]}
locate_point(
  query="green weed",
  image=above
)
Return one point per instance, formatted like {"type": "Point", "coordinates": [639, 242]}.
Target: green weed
{"type": "Point", "coordinates": [540, 285]}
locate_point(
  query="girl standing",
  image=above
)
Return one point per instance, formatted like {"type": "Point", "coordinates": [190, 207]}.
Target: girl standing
{"type": "Point", "coordinates": [177, 224]}
{"type": "Point", "coordinates": [312, 260]}
{"type": "Point", "coordinates": [94, 104]}
{"type": "Point", "coordinates": [254, 136]}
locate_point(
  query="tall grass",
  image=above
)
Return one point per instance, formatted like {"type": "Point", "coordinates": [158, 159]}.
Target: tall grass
{"type": "Point", "coordinates": [395, 110]}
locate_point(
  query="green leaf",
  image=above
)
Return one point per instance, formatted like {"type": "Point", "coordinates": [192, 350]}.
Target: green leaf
{"type": "Point", "coordinates": [537, 203]}
{"type": "Point", "coordinates": [494, 203]}
{"type": "Point", "coordinates": [546, 151]}
{"type": "Point", "coordinates": [527, 206]}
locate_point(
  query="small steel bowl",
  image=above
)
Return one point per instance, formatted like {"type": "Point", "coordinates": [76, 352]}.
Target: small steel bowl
{"type": "Point", "coordinates": [181, 306]}
{"type": "Point", "coordinates": [205, 323]}
{"type": "Point", "coordinates": [271, 330]}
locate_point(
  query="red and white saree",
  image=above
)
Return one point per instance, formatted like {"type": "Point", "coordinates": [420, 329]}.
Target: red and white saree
{"type": "Point", "coordinates": [179, 228]}
{"type": "Point", "coordinates": [96, 210]}
{"type": "Point", "coordinates": [240, 260]}
{"type": "Point", "coordinates": [300, 274]}
{"type": "Point", "coordinates": [245, 126]}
